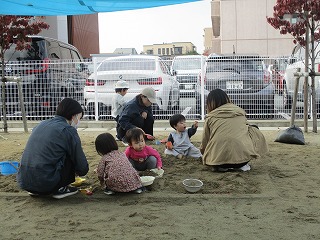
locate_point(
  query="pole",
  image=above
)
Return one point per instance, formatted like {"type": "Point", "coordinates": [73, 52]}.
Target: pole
{"type": "Point", "coordinates": [295, 96]}
{"type": "Point", "coordinates": [306, 90]}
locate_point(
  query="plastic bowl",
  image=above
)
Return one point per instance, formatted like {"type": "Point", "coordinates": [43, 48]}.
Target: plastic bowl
{"type": "Point", "coordinates": [147, 180]}
{"type": "Point", "coordinates": [192, 185]}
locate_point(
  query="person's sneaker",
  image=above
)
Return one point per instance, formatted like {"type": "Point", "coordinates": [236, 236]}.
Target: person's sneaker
{"type": "Point", "coordinates": [65, 192]}
{"type": "Point", "coordinates": [220, 169]}
{"type": "Point", "coordinates": [109, 192]}
{"type": "Point", "coordinates": [245, 168]}
{"type": "Point", "coordinates": [33, 194]}
{"type": "Point", "coordinates": [139, 190]}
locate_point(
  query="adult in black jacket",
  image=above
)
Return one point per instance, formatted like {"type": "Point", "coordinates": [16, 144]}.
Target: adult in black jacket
{"type": "Point", "coordinates": [137, 113]}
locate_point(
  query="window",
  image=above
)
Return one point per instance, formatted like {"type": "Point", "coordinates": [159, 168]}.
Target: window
{"type": "Point", "coordinates": [159, 51]}
{"type": "Point", "coordinates": [65, 53]}
{"type": "Point", "coordinates": [167, 49]}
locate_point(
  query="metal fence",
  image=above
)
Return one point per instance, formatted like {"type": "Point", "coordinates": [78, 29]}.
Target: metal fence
{"type": "Point", "coordinates": [264, 92]}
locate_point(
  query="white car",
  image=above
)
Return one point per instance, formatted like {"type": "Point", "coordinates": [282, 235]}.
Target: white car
{"type": "Point", "coordinates": [295, 61]}
{"type": "Point", "coordinates": [188, 71]}
{"type": "Point", "coordinates": [139, 71]}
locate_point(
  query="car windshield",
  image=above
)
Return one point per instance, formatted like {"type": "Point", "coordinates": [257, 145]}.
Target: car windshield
{"type": "Point", "coordinates": [184, 64]}
{"type": "Point", "coordinates": [35, 52]}
{"type": "Point", "coordinates": [127, 64]}
{"type": "Point", "coordinates": [218, 65]}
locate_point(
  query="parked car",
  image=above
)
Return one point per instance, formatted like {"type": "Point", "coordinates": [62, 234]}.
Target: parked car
{"type": "Point", "coordinates": [243, 78]}
{"type": "Point", "coordinates": [49, 70]}
{"type": "Point", "coordinates": [295, 61]}
{"type": "Point", "coordinates": [188, 71]}
{"type": "Point", "coordinates": [276, 70]}
{"type": "Point", "coordinates": [139, 71]}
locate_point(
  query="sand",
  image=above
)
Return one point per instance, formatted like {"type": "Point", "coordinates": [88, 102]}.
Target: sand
{"type": "Point", "coordinates": [277, 199]}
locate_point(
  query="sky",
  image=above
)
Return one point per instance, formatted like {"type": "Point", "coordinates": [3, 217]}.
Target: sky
{"type": "Point", "coordinates": [135, 28]}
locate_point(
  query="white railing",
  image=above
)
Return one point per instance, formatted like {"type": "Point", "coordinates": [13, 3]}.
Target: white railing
{"type": "Point", "coordinates": [263, 91]}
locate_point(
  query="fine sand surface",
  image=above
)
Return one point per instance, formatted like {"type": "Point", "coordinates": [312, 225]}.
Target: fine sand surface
{"type": "Point", "coordinates": [278, 199]}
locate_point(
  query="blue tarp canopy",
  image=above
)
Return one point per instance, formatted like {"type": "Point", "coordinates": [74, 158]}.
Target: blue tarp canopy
{"type": "Point", "coordinates": [77, 7]}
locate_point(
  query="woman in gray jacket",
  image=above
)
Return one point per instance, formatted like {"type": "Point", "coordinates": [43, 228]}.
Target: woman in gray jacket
{"type": "Point", "coordinates": [53, 154]}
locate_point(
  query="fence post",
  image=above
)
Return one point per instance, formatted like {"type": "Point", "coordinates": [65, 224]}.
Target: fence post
{"type": "Point", "coordinates": [295, 96]}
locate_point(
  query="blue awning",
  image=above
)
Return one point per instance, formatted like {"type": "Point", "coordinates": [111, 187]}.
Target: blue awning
{"type": "Point", "coordinates": [77, 7]}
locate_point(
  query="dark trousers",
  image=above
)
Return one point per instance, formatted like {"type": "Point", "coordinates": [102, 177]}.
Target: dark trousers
{"type": "Point", "coordinates": [67, 176]}
{"type": "Point", "coordinates": [145, 124]}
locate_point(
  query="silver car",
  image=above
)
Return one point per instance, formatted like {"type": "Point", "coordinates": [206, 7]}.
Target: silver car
{"type": "Point", "coordinates": [139, 71]}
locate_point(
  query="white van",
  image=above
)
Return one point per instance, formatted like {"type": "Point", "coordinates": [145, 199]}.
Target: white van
{"type": "Point", "coordinates": [297, 60]}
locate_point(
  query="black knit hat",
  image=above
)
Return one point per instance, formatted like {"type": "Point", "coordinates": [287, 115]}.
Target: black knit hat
{"type": "Point", "coordinates": [68, 107]}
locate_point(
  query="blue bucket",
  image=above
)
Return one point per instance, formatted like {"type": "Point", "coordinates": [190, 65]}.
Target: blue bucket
{"type": "Point", "coordinates": [9, 167]}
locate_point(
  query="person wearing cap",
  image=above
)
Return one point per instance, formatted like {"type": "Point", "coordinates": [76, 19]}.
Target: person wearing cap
{"type": "Point", "coordinates": [138, 113]}
{"type": "Point", "coordinates": [53, 155]}
{"type": "Point", "coordinates": [118, 101]}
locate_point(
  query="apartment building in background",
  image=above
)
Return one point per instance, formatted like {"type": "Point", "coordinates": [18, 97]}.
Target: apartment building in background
{"type": "Point", "coordinates": [241, 26]}
{"type": "Point", "coordinates": [170, 49]}
{"type": "Point", "coordinates": [82, 31]}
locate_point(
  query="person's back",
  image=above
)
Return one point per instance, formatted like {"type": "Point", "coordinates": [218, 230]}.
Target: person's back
{"type": "Point", "coordinates": [53, 154]}
{"type": "Point", "coordinates": [228, 141]}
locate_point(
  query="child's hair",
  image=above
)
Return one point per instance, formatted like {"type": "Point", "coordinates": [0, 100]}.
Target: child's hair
{"type": "Point", "coordinates": [174, 119]}
{"type": "Point", "coordinates": [105, 143]}
{"type": "Point", "coordinates": [217, 98]}
{"type": "Point", "coordinates": [134, 134]}
{"type": "Point", "coordinates": [120, 89]}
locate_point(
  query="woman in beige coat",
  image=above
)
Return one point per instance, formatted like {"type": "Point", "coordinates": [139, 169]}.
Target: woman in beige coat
{"type": "Point", "coordinates": [228, 141]}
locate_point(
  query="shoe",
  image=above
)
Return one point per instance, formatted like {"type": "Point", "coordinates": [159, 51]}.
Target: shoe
{"type": "Point", "coordinates": [33, 194]}
{"type": "Point", "coordinates": [109, 192]}
{"type": "Point", "coordinates": [139, 190]}
{"type": "Point", "coordinates": [220, 169]}
{"type": "Point", "coordinates": [245, 168]}
{"type": "Point", "coordinates": [116, 138]}
{"type": "Point", "coordinates": [65, 192]}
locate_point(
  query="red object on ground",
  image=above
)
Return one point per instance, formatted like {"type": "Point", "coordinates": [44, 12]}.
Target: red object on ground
{"type": "Point", "coordinates": [169, 145]}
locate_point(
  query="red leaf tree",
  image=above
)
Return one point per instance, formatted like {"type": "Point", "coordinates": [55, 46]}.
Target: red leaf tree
{"type": "Point", "coordinates": [305, 31]}
{"type": "Point", "coordinates": [15, 29]}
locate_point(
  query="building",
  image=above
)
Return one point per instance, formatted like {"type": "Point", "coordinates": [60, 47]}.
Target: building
{"type": "Point", "coordinates": [208, 37]}
{"type": "Point", "coordinates": [170, 49]}
{"type": "Point", "coordinates": [125, 51]}
{"type": "Point", "coordinates": [240, 26]}
{"type": "Point", "coordinates": [82, 31]}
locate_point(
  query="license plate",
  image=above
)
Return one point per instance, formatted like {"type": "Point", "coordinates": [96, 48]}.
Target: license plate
{"type": "Point", "coordinates": [234, 85]}
{"type": "Point", "coordinates": [188, 86]}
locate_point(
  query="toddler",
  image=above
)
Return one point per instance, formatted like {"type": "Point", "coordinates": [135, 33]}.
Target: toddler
{"type": "Point", "coordinates": [118, 101]}
{"type": "Point", "coordinates": [114, 170]}
{"type": "Point", "coordinates": [179, 143]}
{"type": "Point", "coordinates": [142, 157]}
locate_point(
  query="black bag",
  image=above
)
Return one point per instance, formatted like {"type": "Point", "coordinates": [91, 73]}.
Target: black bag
{"type": "Point", "coordinates": [292, 135]}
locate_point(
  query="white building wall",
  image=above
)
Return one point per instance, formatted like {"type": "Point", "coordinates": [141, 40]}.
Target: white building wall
{"type": "Point", "coordinates": [58, 28]}
{"type": "Point", "coordinates": [244, 28]}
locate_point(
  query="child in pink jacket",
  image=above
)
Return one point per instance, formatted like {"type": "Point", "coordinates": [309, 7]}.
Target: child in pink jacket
{"type": "Point", "coordinates": [142, 157]}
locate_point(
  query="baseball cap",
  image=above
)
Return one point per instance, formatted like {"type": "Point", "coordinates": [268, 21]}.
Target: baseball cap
{"type": "Point", "coordinates": [150, 93]}
{"type": "Point", "coordinates": [122, 84]}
